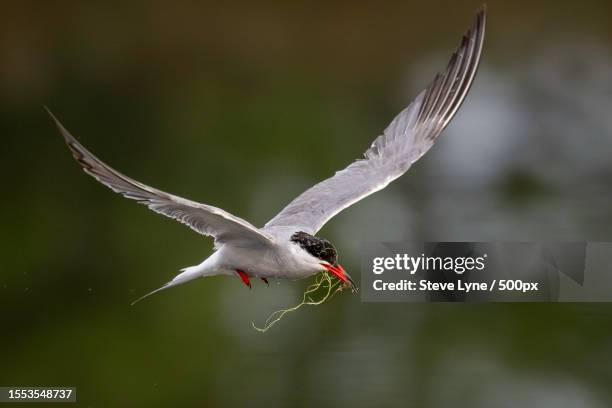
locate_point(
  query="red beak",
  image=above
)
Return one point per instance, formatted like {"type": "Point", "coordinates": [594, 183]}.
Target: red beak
{"type": "Point", "coordinates": [340, 273]}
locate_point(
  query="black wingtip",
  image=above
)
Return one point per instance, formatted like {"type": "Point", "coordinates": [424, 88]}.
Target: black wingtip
{"type": "Point", "coordinates": [68, 138]}
{"type": "Point", "coordinates": [56, 121]}
{"type": "Point", "coordinates": [46, 108]}
{"type": "Point", "coordinates": [481, 11]}
{"type": "Point", "coordinates": [481, 14]}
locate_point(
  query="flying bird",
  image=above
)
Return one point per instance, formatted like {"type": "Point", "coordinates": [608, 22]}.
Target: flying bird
{"type": "Point", "coordinates": [287, 246]}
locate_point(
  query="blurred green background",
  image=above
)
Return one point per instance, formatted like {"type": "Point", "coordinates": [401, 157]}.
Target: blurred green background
{"type": "Point", "coordinates": [245, 105]}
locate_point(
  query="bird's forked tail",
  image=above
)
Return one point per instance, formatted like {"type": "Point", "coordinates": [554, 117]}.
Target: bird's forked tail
{"type": "Point", "coordinates": [186, 275]}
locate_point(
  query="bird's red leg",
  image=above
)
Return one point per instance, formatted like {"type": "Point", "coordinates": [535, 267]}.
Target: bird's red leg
{"type": "Point", "coordinates": [265, 280]}
{"type": "Point", "coordinates": [244, 278]}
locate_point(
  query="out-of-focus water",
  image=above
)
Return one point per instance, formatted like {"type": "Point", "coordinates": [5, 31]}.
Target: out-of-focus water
{"type": "Point", "coordinates": [243, 107]}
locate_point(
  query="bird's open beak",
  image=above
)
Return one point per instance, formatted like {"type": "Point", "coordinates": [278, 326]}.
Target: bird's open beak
{"type": "Point", "coordinates": [341, 274]}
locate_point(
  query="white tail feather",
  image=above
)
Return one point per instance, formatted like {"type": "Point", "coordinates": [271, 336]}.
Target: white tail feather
{"type": "Point", "coordinates": [186, 275]}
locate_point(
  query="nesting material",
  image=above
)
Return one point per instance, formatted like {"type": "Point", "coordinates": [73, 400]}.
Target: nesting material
{"type": "Point", "coordinates": [323, 289]}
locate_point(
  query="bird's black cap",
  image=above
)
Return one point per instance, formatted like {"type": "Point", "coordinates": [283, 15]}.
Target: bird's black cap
{"type": "Point", "coordinates": [317, 247]}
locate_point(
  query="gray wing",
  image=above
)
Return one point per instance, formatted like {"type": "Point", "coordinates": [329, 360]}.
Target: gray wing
{"type": "Point", "coordinates": [406, 139]}
{"type": "Point", "coordinates": [202, 218]}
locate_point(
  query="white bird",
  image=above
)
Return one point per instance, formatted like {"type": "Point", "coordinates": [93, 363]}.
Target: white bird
{"type": "Point", "coordinates": [286, 247]}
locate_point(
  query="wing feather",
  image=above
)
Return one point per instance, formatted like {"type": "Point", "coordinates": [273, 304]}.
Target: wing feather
{"type": "Point", "coordinates": [202, 218]}
{"type": "Point", "coordinates": [409, 136]}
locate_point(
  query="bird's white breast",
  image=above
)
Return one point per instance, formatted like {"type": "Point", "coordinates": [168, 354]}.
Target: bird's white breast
{"type": "Point", "coordinates": [285, 260]}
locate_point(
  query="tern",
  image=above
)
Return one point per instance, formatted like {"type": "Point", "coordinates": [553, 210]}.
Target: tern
{"type": "Point", "coordinates": [287, 247]}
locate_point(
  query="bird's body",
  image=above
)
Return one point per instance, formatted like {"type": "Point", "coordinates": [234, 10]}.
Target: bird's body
{"type": "Point", "coordinates": [284, 259]}
{"type": "Point", "coordinates": [286, 247]}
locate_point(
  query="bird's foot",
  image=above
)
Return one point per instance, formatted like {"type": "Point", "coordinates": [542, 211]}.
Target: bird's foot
{"type": "Point", "coordinates": [265, 280]}
{"type": "Point", "coordinates": [244, 277]}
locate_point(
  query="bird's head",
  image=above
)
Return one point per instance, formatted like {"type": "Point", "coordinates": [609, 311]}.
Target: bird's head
{"type": "Point", "coordinates": [325, 252]}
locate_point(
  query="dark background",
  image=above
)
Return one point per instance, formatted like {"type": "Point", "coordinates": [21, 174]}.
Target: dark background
{"type": "Point", "coordinates": [245, 105]}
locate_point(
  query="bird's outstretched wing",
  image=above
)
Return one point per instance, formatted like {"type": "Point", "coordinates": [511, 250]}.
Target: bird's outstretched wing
{"type": "Point", "coordinates": [202, 218]}
{"type": "Point", "coordinates": [406, 139]}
